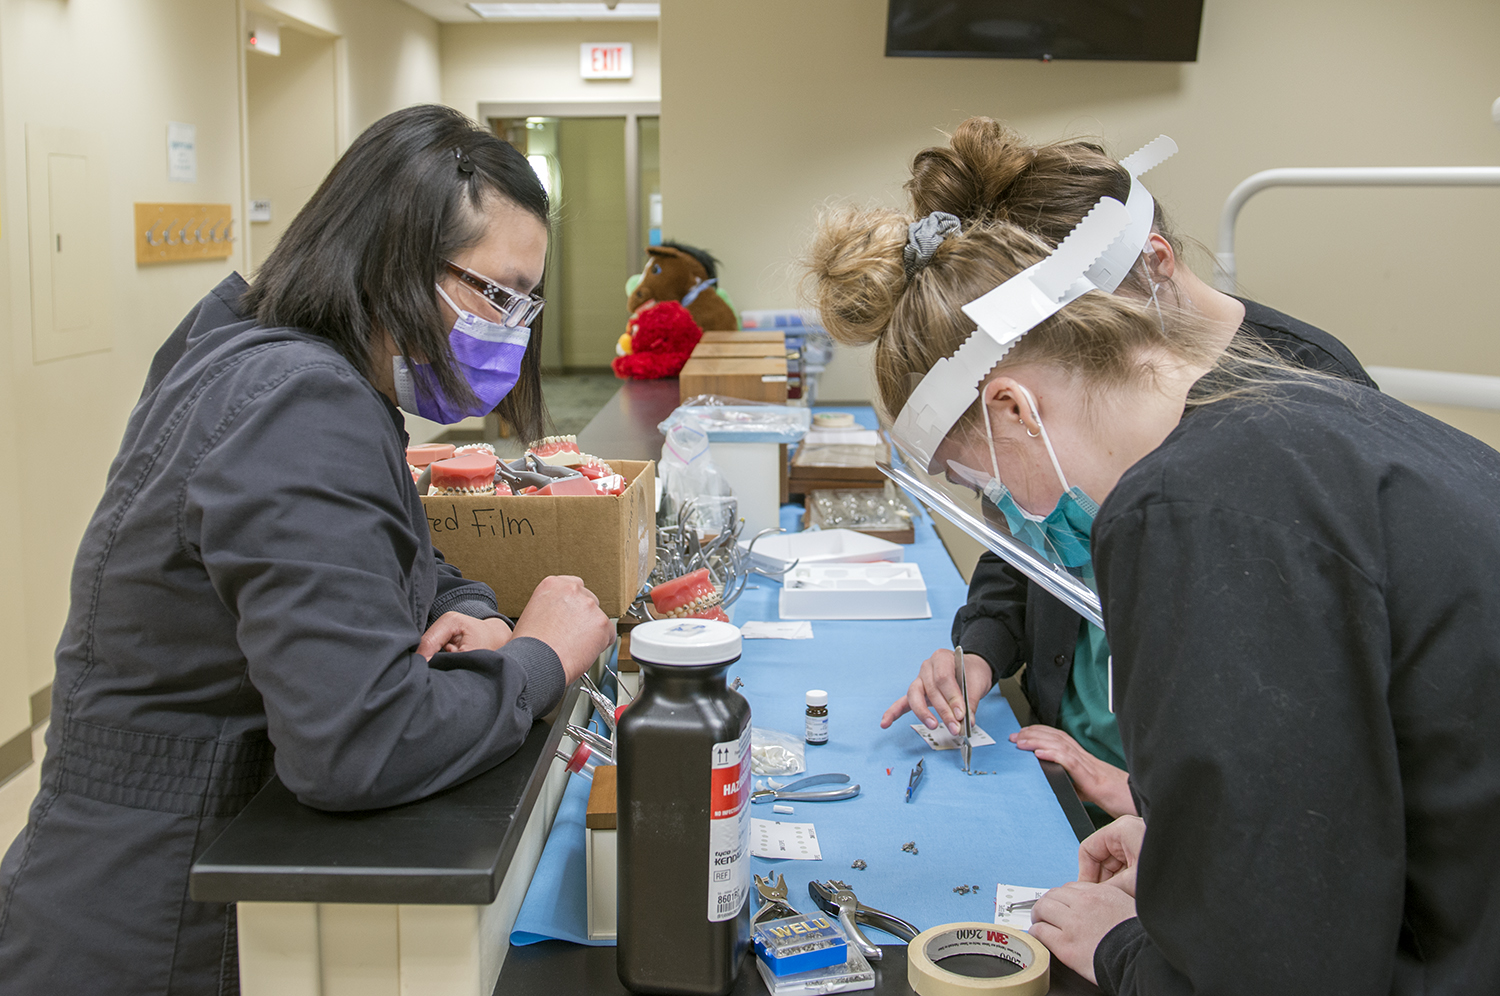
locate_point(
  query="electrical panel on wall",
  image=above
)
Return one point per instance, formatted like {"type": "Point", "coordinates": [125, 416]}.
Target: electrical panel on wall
{"type": "Point", "coordinates": [67, 202]}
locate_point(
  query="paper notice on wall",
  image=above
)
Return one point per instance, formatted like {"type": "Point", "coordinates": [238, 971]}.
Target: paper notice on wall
{"type": "Point", "coordinates": [182, 152]}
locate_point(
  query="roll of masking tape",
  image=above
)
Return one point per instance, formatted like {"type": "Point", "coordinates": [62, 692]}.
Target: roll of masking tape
{"type": "Point", "coordinates": [928, 978]}
{"type": "Point", "coordinates": [833, 420]}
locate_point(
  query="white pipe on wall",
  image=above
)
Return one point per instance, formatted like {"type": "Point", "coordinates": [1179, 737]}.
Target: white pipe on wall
{"type": "Point", "coordinates": [1438, 387]}
{"type": "Point", "coordinates": [1337, 176]}
{"type": "Point", "coordinates": [1429, 386]}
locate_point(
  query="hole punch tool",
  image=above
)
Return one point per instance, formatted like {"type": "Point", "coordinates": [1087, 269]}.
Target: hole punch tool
{"type": "Point", "coordinates": [773, 904]}
{"type": "Point", "coordinates": [965, 744]}
{"type": "Point", "coordinates": [837, 899]}
{"type": "Point", "coordinates": [914, 780]}
{"type": "Point", "coordinates": [797, 791]}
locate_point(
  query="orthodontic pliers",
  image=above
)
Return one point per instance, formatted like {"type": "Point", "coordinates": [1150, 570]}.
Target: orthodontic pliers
{"type": "Point", "coordinates": [836, 898]}
{"type": "Point", "coordinates": [795, 791]}
{"type": "Point", "coordinates": [773, 904]}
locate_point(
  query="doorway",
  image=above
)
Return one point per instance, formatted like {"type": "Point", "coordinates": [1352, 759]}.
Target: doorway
{"type": "Point", "coordinates": [600, 164]}
{"type": "Point", "coordinates": [292, 118]}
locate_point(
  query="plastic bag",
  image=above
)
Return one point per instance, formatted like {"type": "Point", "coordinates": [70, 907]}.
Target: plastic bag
{"type": "Point", "coordinates": [737, 420]}
{"type": "Point", "coordinates": [687, 469]}
{"type": "Point", "coordinates": [775, 753]}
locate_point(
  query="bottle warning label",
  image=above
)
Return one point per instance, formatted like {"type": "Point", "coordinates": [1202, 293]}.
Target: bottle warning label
{"type": "Point", "coordinates": [729, 828]}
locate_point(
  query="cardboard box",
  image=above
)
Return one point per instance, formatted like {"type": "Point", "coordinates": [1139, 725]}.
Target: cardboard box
{"type": "Point", "coordinates": [511, 543]}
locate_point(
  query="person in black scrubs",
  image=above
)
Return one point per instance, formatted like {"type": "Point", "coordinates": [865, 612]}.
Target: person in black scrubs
{"type": "Point", "coordinates": [257, 592]}
{"type": "Point", "coordinates": [988, 171]}
{"type": "Point", "coordinates": [1300, 579]}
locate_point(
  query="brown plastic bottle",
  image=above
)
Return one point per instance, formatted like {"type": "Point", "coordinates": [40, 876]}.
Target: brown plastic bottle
{"type": "Point", "coordinates": [683, 751]}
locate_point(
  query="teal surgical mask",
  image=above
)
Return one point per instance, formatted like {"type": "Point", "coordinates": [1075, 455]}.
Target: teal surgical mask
{"type": "Point", "coordinates": [1062, 535]}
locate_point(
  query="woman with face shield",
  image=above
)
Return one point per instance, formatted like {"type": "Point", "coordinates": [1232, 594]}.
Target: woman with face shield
{"type": "Point", "coordinates": [988, 172]}
{"type": "Point", "coordinates": [258, 592]}
{"type": "Point", "coordinates": [1304, 668]}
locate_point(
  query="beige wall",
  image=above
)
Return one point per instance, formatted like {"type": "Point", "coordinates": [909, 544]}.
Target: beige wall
{"type": "Point", "coordinates": [292, 124]}
{"type": "Point", "coordinates": [121, 72]}
{"type": "Point", "coordinates": [804, 110]}
{"type": "Point", "coordinates": [15, 670]}
{"type": "Point", "coordinates": [511, 62]}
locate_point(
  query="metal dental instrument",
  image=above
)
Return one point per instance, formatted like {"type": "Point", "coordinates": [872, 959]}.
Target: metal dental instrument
{"type": "Point", "coordinates": [602, 704]}
{"type": "Point", "coordinates": [796, 791]}
{"type": "Point", "coordinates": [838, 899]}
{"type": "Point", "coordinates": [914, 780]}
{"type": "Point", "coordinates": [594, 740]}
{"type": "Point", "coordinates": [773, 904]}
{"type": "Point", "coordinates": [966, 748]}
{"type": "Point", "coordinates": [1024, 904]}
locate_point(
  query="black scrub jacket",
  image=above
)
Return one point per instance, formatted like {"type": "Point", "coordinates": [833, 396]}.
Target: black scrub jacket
{"type": "Point", "coordinates": [248, 597]}
{"type": "Point", "coordinates": [1302, 595]}
{"type": "Point", "coordinates": [1010, 623]}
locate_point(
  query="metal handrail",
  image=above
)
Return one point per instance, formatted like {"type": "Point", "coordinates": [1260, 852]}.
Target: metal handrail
{"type": "Point", "coordinates": [1432, 386]}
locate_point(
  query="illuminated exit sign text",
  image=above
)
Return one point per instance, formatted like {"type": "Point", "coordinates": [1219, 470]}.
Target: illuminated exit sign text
{"type": "Point", "coordinates": [606, 61]}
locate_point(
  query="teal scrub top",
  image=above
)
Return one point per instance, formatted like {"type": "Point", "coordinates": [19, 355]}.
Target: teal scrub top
{"type": "Point", "coordinates": [1085, 714]}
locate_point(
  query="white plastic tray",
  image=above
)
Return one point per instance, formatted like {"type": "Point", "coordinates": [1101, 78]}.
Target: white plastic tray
{"type": "Point", "coordinates": [822, 546]}
{"type": "Point", "coordinates": [855, 591]}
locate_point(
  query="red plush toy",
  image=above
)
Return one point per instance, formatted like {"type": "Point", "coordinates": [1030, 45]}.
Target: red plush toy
{"type": "Point", "coordinates": [657, 342]}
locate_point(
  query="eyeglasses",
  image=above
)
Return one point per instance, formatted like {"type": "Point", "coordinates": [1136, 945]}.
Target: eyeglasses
{"type": "Point", "coordinates": [515, 309]}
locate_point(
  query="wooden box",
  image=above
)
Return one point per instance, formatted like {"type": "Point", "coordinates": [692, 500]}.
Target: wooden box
{"type": "Point", "coordinates": [750, 378]}
{"type": "Point", "coordinates": [601, 854]}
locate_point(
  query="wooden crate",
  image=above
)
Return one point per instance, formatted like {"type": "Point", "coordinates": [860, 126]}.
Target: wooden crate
{"type": "Point", "coordinates": [750, 378]}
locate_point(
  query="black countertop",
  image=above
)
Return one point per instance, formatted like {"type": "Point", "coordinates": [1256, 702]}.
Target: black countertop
{"type": "Point", "coordinates": [560, 967]}
{"type": "Point", "coordinates": [625, 428]}
{"type": "Point", "coordinates": [453, 848]}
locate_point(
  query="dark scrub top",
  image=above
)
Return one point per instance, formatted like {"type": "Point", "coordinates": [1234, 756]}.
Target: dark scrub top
{"type": "Point", "coordinates": [1303, 599]}
{"type": "Point", "coordinates": [1011, 624]}
{"type": "Point", "coordinates": [248, 597]}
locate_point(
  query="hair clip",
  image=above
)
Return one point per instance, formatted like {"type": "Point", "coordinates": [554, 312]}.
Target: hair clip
{"type": "Point", "coordinates": [464, 165]}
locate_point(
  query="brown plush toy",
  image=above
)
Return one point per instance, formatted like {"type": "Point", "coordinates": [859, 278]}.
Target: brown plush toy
{"type": "Point", "coordinates": [676, 272]}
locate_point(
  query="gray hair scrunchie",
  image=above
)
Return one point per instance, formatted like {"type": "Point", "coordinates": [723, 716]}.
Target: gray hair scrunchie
{"type": "Point", "coordinates": [923, 237]}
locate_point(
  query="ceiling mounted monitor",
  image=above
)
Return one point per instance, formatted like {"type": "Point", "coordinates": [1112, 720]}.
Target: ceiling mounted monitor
{"type": "Point", "coordinates": [1120, 30]}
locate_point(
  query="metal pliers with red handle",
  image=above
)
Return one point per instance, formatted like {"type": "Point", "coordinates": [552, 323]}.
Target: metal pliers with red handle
{"type": "Point", "coordinates": [836, 898]}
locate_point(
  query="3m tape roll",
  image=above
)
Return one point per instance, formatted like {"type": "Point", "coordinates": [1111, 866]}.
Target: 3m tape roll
{"type": "Point", "coordinates": [928, 978]}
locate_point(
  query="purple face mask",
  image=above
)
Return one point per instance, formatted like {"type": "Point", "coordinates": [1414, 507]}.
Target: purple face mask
{"type": "Point", "coordinates": [488, 356]}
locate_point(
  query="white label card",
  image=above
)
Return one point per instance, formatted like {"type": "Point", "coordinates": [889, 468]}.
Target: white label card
{"type": "Point", "coordinates": [941, 739]}
{"type": "Point", "coordinates": [759, 630]}
{"type": "Point", "coordinates": [1007, 894]}
{"type": "Point", "coordinates": [774, 839]}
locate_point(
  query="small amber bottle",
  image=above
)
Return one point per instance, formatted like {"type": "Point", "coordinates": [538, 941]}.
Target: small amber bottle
{"type": "Point", "coordinates": [817, 716]}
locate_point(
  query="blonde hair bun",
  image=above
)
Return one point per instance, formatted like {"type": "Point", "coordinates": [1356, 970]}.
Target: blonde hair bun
{"type": "Point", "coordinates": [855, 268]}
{"type": "Point", "coordinates": [971, 175]}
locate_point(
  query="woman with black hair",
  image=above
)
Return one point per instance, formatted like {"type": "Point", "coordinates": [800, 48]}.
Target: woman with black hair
{"type": "Point", "coordinates": [257, 590]}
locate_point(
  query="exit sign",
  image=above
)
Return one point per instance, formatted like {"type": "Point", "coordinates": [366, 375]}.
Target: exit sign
{"type": "Point", "coordinates": [606, 61]}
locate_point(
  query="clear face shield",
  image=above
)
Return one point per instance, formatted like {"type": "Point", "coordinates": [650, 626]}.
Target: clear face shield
{"type": "Point", "coordinates": [953, 469]}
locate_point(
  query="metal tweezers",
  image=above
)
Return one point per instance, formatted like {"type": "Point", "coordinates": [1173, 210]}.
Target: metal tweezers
{"type": "Point", "coordinates": [793, 791]}
{"type": "Point", "coordinates": [837, 899]}
{"type": "Point", "coordinates": [965, 741]}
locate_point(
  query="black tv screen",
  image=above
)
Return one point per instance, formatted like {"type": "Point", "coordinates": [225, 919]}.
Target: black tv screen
{"type": "Point", "coordinates": [1123, 30]}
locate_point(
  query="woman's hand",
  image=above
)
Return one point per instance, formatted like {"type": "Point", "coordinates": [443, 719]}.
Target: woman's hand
{"type": "Point", "coordinates": [566, 616]}
{"type": "Point", "coordinates": [454, 632]}
{"type": "Point", "coordinates": [1072, 919]}
{"type": "Point", "coordinates": [1099, 782]}
{"type": "Point", "coordinates": [1110, 856]}
{"type": "Point", "coordinates": [936, 691]}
